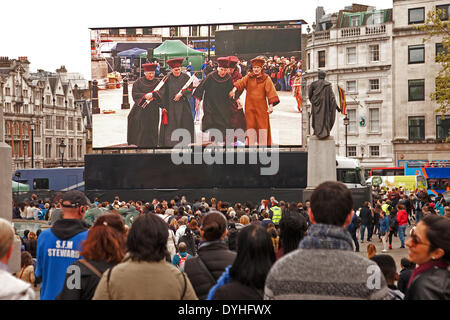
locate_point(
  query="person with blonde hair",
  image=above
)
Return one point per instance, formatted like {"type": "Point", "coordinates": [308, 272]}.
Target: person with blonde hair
{"type": "Point", "coordinates": [244, 220]}
{"type": "Point", "coordinates": [11, 288]}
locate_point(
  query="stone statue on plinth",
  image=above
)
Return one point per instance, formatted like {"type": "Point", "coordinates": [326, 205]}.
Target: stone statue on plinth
{"type": "Point", "coordinates": [323, 105]}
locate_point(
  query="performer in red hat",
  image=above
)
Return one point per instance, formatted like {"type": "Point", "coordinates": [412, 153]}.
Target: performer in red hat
{"type": "Point", "coordinates": [177, 110]}
{"type": "Point", "coordinates": [142, 129]}
{"type": "Point", "coordinates": [217, 105]}
{"type": "Point", "coordinates": [259, 89]}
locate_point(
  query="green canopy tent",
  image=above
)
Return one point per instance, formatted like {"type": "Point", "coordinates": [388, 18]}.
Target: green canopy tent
{"type": "Point", "coordinates": [20, 187]}
{"type": "Point", "coordinates": [171, 49]}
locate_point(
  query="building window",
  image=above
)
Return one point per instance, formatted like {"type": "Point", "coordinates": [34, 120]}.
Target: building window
{"type": "Point", "coordinates": [25, 93]}
{"type": "Point", "coordinates": [7, 91]}
{"type": "Point", "coordinates": [80, 148]}
{"type": "Point", "coordinates": [374, 151]}
{"type": "Point", "coordinates": [7, 107]}
{"type": "Point", "coordinates": [60, 101]}
{"type": "Point", "coordinates": [70, 147]}
{"type": "Point", "coordinates": [48, 99]}
{"type": "Point", "coordinates": [374, 84]}
{"type": "Point", "coordinates": [321, 59]}
{"type": "Point", "coordinates": [147, 31]}
{"type": "Point", "coordinates": [416, 54]}
{"type": "Point", "coordinates": [416, 15]}
{"type": "Point", "coordinates": [351, 86]}
{"type": "Point", "coordinates": [351, 55]}
{"type": "Point", "coordinates": [59, 123]}
{"type": "Point", "coordinates": [445, 9]}
{"type": "Point", "coordinates": [352, 121]}
{"type": "Point", "coordinates": [440, 50]}
{"type": "Point", "coordinates": [351, 151]}
{"type": "Point", "coordinates": [374, 120]}
{"type": "Point", "coordinates": [309, 61]}
{"type": "Point", "coordinates": [378, 17]}
{"type": "Point", "coordinates": [416, 90]}
{"type": "Point", "coordinates": [25, 108]}
{"type": "Point", "coordinates": [194, 31]}
{"type": "Point", "coordinates": [79, 124]}
{"type": "Point", "coordinates": [442, 127]}
{"type": "Point", "coordinates": [131, 31]}
{"type": "Point", "coordinates": [374, 52]}
{"type": "Point", "coordinates": [48, 122]}
{"type": "Point", "coordinates": [48, 147]}
{"type": "Point", "coordinates": [355, 21]}
{"type": "Point", "coordinates": [416, 128]}
{"type": "Point", "coordinates": [70, 123]}
{"type": "Point", "coordinates": [37, 148]}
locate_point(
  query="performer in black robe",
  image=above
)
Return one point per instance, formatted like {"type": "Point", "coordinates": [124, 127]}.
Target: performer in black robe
{"type": "Point", "coordinates": [143, 122]}
{"type": "Point", "coordinates": [179, 114]}
{"type": "Point", "coordinates": [217, 105]}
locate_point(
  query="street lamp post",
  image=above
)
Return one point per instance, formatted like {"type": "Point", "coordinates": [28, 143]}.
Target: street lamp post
{"type": "Point", "coordinates": [24, 155]}
{"type": "Point", "coordinates": [32, 124]}
{"type": "Point", "coordinates": [62, 147]}
{"type": "Point", "coordinates": [346, 123]}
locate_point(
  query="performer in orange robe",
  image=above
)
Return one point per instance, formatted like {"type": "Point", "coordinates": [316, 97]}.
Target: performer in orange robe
{"type": "Point", "coordinates": [260, 90]}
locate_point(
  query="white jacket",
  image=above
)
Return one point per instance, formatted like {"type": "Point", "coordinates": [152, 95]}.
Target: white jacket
{"type": "Point", "coordinates": [171, 244]}
{"type": "Point", "coordinates": [12, 288]}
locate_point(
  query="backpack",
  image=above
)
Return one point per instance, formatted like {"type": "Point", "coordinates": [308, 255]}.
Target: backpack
{"type": "Point", "coordinates": [182, 261]}
{"type": "Point", "coordinates": [188, 238]}
{"type": "Point", "coordinates": [357, 222]}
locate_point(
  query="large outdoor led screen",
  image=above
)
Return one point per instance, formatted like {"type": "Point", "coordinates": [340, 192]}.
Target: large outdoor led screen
{"type": "Point", "coordinates": [118, 57]}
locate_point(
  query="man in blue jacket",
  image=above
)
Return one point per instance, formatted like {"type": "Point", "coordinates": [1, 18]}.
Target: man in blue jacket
{"type": "Point", "coordinates": [60, 246]}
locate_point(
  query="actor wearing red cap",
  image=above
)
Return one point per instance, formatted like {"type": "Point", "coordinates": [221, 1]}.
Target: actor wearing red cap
{"type": "Point", "coordinates": [177, 107]}
{"type": "Point", "coordinates": [217, 105]}
{"type": "Point", "coordinates": [259, 89]}
{"type": "Point", "coordinates": [143, 122]}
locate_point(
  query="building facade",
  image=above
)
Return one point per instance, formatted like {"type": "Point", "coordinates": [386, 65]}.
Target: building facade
{"type": "Point", "coordinates": [419, 133]}
{"type": "Point", "coordinates": [39, 112]}
{"type": "Point", "coordinates": [354, 47]}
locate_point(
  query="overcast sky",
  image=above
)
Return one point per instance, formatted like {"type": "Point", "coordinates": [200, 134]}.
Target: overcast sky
{"type": "Point", "coordinates": [52, 33]}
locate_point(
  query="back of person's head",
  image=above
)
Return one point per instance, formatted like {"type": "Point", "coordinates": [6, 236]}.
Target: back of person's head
{"type": "Point", "coordinates": [25, 259]}
{"type": "Point", "coordinates": [106, 240]}
{"type": "Point", "coordinates": [292, 231]}
{"type": "Point", "coordinates": [406, 263]}
{"type": "Point", "coordinates": [214, 224]}
{"type": "Point", "coordinates": [255, 256]}
{"type": "Point", "coordinates": [438, 234]}
{"type": "Point", "coordinates": [182, 247]}
{"type": "Point", "coordinates": [6, 237]}
{"type": "Point", "coordinates": [331, 203]}
{"type": "Point", "coordinates": [244, 220]}
{"type": "Point", "coordinates": [147, 239]}
{"type": "Point", "coordinates": [387, 266]}
{"type": "Point", "coordinates": [400, 207]}
{"type": "Point", "coordinates": [25, 233]}
{"type": "Point", "coordinates": [32, 236]}
{"type": "Point", "coordinates": [371, 250]}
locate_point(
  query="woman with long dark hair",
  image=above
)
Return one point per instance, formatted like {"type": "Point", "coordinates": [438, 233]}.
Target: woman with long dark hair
{"type": "Point", "coordinates": [429, 248]}
{"type": "Point", "coordinates": [292, 231]}
{"type": "Point", "coordinates": [245, 278]}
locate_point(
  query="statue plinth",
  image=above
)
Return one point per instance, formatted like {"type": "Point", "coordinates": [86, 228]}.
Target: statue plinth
{"type": "Point", "coordinates": [321, 163]}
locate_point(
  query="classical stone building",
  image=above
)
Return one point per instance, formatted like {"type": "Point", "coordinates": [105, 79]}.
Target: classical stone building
{"type": "Point", "coordinates": [354, 47]}
{"type": "Point", "coordinates": [418, 132]}
{"type": "Point", "coordinates": [39, 112]}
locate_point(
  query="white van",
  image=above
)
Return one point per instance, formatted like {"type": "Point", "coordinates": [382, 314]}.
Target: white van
{"type": "Point", "coordinates": [349, 172]}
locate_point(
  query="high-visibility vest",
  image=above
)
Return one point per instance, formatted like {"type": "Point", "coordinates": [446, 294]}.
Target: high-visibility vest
{"type": "Point", "coordinates": [276, 214]}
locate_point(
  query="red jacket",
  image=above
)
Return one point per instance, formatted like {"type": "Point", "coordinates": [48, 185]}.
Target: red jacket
{"type": "Point", "coordinates": [402, 217]}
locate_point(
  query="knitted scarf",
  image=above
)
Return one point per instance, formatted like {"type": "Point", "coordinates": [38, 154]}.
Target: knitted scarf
{"type": "Point", "coordinates": [325, 236]}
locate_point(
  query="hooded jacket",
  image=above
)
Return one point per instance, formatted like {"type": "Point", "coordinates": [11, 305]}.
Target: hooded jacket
{"type": "Point", "coordinates": [57, 249]}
